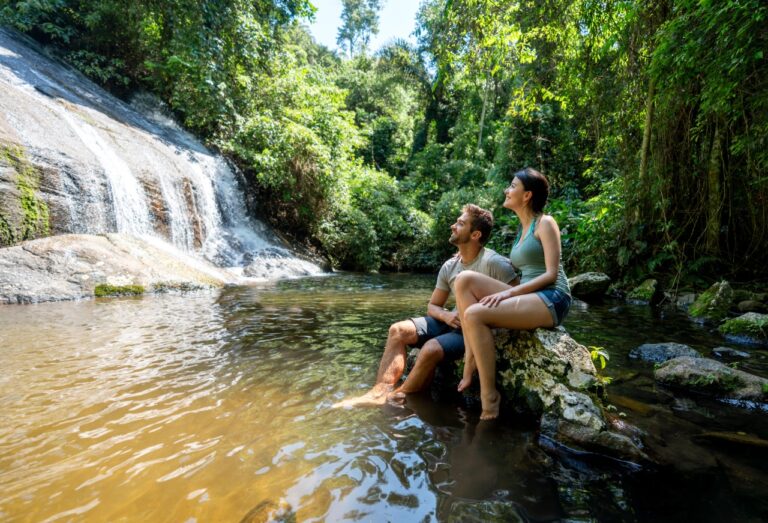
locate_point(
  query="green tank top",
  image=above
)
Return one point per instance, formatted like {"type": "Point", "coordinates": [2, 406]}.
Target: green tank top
{"type": "Point", "coordinates": [528, 257]}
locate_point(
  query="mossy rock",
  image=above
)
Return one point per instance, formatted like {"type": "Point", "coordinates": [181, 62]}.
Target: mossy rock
{"type": "Point", "coordinates": [751, 325]}
{"type": "Point", "coordinates": [104, 290]}
{"type": "Point", "coordinates": [706, 376]}
{"type": "Point", "coordinates": [714, 303]}
{"type": "Point", "coordinates": [646, 292]}
{"type": "Point", "coordinates": [23, 213]}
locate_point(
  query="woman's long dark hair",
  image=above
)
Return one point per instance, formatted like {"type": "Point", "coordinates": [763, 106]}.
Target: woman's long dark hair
{"type": "Point", "coordinates": [537, 183]}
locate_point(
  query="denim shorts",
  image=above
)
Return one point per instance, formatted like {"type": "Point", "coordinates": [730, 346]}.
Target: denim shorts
{"type": "Point", "coordinates": [558, 303]}
{"type": "Point", "coordinates": [450, 339]}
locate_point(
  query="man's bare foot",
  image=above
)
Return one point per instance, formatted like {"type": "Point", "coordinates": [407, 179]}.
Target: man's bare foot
{"type": "Point", "coordinates": [376, 396]}
{"type": "Point", "coordinates": [491, 403]}
{"type": "Point", "coordinates": [396, 397]}
{"type": "Point", "coordinates": [464, 383]}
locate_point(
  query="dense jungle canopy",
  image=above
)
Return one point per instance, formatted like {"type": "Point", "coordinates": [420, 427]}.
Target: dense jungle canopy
{"type": "Point", "coordinates": [650, 119]}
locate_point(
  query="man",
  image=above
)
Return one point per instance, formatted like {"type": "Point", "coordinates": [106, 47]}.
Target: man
{"type": "Point", "coordinates": [439, 333]}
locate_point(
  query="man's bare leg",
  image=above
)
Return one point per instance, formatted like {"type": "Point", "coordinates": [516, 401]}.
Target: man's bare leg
{"type": "Point", "coordinates": [430, 355]}
{"type": "Point", "coordinates": [392, 366]}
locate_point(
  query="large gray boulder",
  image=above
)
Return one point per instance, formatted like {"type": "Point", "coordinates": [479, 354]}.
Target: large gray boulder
{"type": "Point", "coordinates": [589, 285]}
{"type": "Point", "coordinates": [548, 373]}
{"type": "Point", "coordinates": [706, 376]}
{"type": "Point", "coordinates": [73, 266]}
{"type": "Point", "coordinates": [713, 304]}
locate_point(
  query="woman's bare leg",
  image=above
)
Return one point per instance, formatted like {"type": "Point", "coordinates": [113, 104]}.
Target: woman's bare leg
{"type": "Point", "coordinates": [470, 287]}
{"type": "Point", "coordinates": [520, 313]}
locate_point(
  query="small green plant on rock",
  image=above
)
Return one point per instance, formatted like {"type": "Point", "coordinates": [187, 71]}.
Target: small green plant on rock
{"type": "Point", "coordinates": [600, 357]}
{"type": "Point", "coordinates": [104, 290]}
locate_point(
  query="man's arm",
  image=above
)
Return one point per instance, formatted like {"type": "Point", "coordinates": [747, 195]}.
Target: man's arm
{"type": "Point", "coordinates": [435, 309]}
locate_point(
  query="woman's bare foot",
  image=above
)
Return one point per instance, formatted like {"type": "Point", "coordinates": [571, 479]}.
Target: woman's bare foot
{"type": "Point", "coordinates": [376, 396]}
{"type": "Point", "coordinates": [491, 403]}
{"type": "Point", "coordinates": [464, 383]}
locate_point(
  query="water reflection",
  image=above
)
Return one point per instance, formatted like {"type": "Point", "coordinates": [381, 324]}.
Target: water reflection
{"type": "Point", "coordinates": [216, 407]}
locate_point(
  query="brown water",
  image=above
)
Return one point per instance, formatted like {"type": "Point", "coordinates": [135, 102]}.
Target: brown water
{"type": "Point", "coordinates": [216, 407]}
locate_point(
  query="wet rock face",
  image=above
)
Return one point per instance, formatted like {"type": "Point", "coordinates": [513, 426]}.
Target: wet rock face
{"type": "Point", "coordinates": [713, 304]}
{"type": "Point", "coordinates": [706, 376]}
{"type": "Point", "coordinates": [660, 352]}
{"type": "Point", "coordinates": [74, 266]}
{"type": "Point", "coordinates": [589, 285]}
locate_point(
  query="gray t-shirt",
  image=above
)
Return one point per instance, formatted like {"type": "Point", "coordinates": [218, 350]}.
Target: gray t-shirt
{"type": "Point", "coordinates": [487, 262]}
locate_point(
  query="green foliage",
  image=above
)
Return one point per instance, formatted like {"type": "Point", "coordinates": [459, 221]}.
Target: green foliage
{"type": "Point", "coordinates": [372, 157]}
{"type": "Point", "coordinates": [599, 355]}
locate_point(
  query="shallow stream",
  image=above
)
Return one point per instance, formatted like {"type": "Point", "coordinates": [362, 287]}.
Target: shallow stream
{"type": "Point", "coordinates": [216, 406]}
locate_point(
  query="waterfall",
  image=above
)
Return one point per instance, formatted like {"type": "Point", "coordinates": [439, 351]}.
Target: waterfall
{"type": "Point", "coordinates": [129, 168]}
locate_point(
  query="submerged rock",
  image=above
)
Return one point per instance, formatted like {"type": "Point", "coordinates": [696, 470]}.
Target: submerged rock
{"type": "Point", "coordinates": [739, 439]}
{"type": "Point", "coordinates": [73, 266]}
{"type": "Point", "coordinates": [660, 352]}
{"type": "Point", "coordinates": [751, 325]}
{"type": "Point", "coordinates": [706, 376]}
{"type": "Point", "coordinates": [714, 303]}
{"type": "Point", "coordinates": [727, 352]}
{"type": "Point", "coordinates": [751, 306]}
{"type": "Point", "coordinates": [589, 285]}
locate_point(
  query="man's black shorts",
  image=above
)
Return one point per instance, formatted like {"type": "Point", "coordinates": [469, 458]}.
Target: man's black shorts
{"type": "Point", "coordinates": [450, 339]}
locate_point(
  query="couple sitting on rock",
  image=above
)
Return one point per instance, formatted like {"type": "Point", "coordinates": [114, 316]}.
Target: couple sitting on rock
{"type": "Point", "coordinates": [489, 294]}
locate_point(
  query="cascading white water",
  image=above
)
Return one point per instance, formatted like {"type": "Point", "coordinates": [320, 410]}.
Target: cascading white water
{"type": "Point", "coordinates": [131, 169]}
{"type": "Point", "coordinates": [128, 201]}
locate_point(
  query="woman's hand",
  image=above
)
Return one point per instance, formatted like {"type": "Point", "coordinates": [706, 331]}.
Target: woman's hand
{"type": "Point", "coordinates": [492, 300]}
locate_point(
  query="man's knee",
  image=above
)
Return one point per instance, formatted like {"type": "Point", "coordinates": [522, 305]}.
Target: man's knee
{"type": "Point", "coordinates": [431, 353]}
{"type": "Point", "coordinates": [403, 332]}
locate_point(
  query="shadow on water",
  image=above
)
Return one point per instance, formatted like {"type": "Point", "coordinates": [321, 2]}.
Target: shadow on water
{"type": "Point", "coordinates": [216, 406]}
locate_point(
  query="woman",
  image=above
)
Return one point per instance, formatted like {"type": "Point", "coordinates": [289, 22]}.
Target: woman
{"type": "Point", "coordinates": [542, 298]}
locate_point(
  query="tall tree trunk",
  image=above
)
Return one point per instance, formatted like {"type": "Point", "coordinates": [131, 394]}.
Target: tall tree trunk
{"type": "Point", "coordinates": [482, 113]}
{"type": "Point", "coordinates": [714, 195]}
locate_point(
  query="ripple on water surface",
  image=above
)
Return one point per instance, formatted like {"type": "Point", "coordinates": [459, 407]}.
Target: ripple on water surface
{"type": "Point", "coordinates": [216, 406]}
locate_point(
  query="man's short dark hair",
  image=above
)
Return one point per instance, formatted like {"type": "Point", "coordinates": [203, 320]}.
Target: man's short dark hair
{"type": "Point", "coordinates": [480, 220]}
